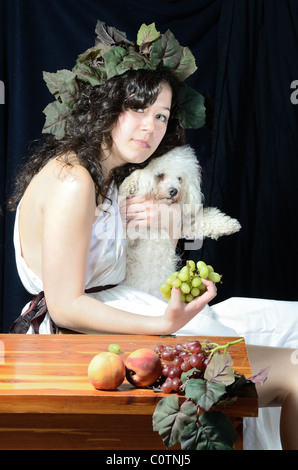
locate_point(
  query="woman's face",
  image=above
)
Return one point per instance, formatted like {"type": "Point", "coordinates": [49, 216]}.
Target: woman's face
{"type": "Point", "coordinates": [139, 132]}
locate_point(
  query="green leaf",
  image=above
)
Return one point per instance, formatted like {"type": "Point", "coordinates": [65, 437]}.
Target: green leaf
{"type": "Point", "coordinates": [56, 120]}
{"type": "Point", "coordinates": [191, 112]}
{"type": "Point", "coordinates": [147, 35]}
{"type": "Point", "coordinates": [190, 436]}
{"type": "Point", "coordinates": [218, 432]}
{"type": "Point", "coordinates": [63, 85]}
{"type": "Point", "coordinates": [109, 35]}
{"type": "Point", "coordinates": [168, 51]}
{"type": "Point", "coordinates": [204, 393]}
{"type": "Point", "coordinates": [169, 419]}
{"type": "Point", "coordinates": [112, 59]}
{"type": "Point", "coordinates": [220, 369]}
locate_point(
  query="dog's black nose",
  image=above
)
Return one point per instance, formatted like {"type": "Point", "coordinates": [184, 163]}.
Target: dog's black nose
{"type": "Point", "coordinates": [173, 192]}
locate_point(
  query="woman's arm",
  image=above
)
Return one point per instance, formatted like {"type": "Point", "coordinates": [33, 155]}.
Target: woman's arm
{"type": "Point", "coordinates": [68, 215]}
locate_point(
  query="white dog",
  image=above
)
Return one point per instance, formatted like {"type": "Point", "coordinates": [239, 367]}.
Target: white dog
{"type": "Point", "coordinates": [172, 178]}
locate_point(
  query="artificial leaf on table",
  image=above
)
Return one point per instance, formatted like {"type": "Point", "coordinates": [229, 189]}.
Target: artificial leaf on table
{"type": "Point", "coordinates": [204, 393]}
{"type": "Point", "coordinates": [220, 369]}
{"type": "Point", "coordinates": [169, 418]}
{"type": "Point", "coordinates": [260, 377]}
{"type": "Point", "coordinates": [218, 432]}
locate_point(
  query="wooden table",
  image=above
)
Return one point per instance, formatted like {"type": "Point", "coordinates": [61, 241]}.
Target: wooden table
{"type": "Point", "coordinates": [47, 401]}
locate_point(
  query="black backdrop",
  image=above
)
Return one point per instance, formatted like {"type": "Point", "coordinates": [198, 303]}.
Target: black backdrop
{"type": "Point", "coordinates": [247, 57]}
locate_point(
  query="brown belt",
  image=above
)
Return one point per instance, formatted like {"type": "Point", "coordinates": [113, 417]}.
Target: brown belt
{"type": "Point", "coordinates": [99, 288]}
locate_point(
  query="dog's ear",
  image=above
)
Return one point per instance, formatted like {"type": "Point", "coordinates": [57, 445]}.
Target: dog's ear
{"type": "Point", "coordinates": [130, 185]}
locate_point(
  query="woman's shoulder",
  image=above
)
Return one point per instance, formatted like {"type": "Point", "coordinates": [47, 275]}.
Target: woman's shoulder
{"type": "Point", "coordinates": [61, 180]}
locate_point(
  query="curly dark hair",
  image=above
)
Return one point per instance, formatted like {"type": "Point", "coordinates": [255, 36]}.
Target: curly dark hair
{"type": "Point", "coordinates": [91, 123]}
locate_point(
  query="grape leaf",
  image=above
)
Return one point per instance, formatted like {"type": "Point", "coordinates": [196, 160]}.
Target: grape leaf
{"type": "Point", "coordinates": [169, 419]}
{"type": "Point", "coordinates": [147, 34]}
{"type": "Point", "coordinates": [56, 119]}
{"type": "Point", "coordinates": [192, 111]}
{"type": "Point", "coordinates": [204, 393]}
{"type": "Point", "coordinates": [218, 432]}
{"type": "Point", "coordinates": [109, 35]}
{"type": "Point", "coordinates": [220, 369]}
{"type": "Point", "coordinates": [63, 86]}
{"type": "Point", "coordinates": [260, 377]}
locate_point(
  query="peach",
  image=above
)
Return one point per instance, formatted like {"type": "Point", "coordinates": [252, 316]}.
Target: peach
{"type": "Point", "coordinates": [143, 367]}
{"type": "Point", "coordinates": [106, 371]}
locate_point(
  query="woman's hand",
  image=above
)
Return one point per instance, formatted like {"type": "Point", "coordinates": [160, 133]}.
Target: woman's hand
{"type": "Point", "coordinates": [179, 314]}
{"type": "Point", "coordinates": [139, 212]}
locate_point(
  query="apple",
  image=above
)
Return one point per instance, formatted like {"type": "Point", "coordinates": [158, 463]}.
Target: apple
{"type": "Point", "coordinates": [143, 367]}
{"type": "Point", "coordinates": [106, 371]}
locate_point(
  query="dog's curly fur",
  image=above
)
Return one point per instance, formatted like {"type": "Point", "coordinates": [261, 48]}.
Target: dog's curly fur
{"type": "Point", "coordinates": [173, 178]}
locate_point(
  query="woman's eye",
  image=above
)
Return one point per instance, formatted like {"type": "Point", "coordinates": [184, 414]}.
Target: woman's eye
{"type": "Point", "coordinates": [162, 117]}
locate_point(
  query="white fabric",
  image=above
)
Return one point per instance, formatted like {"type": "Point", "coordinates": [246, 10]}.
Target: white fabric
{"type": "Point", "coordinates": [260, 321]}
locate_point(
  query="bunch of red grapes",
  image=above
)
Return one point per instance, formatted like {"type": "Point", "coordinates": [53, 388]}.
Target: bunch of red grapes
{"type": "Point", "coordinates": [182, 357]}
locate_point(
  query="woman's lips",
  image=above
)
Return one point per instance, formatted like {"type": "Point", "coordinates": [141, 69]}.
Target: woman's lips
{"type": "Point", "coordinates": [142, 143]}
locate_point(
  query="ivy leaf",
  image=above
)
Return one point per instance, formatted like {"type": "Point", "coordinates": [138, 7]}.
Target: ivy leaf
{"type": "Point", "coordinates": [169, 419]}
{"type": "Point", "coordinates": [109, 35]}
{"type": "Point", "coordinates": [217, 432]}
{"type": "Point", "coordinates": [192, 111]}
{"type": "Point", "coordinates": [220, 369]}
{"type": "Point", "coordinates": [56, 119]}
{"type": "Point", "coordinates": [204, 393]}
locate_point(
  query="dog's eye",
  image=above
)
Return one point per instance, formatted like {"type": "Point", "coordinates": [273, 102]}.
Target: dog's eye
{"type": "Point", "coordinates": [179, 179]}
{"type": "Point", "coordinates": [160, 176]}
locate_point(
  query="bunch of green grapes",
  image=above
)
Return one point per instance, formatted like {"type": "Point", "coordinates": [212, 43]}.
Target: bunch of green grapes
{"type": "Point", "coordinates": [189, 280]}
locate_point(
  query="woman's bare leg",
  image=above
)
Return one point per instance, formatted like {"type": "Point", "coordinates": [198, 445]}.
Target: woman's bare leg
{"type": "Point", "coordinates": [280, 388]}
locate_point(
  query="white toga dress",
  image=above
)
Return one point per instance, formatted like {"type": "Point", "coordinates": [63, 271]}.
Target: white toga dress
{"type": "Point", "coordinates": [260, 321]}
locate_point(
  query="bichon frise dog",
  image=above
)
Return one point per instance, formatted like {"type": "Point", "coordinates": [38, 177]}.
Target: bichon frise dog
{"type": "Point", "coordinates": [174, 178]}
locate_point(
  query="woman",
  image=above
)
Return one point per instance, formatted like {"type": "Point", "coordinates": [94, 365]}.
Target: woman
{"type": "Point", "coordinates": [68, 210]}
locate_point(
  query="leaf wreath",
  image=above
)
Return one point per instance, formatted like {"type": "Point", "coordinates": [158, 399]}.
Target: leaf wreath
{"type": "Point", "coordinates": [113, 54]}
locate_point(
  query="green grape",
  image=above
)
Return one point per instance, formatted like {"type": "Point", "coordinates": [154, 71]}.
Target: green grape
{"type": "Point", "coordinates": [169, 281]}
{"type": "Point", "coordinates": [191, 265]}
{"type": "Point", "coordinates": [185, 288]}
{"type": "Point", "coordinates": [196, 281]}
{"type": "Point", "coordinates": [195, 292]}
{"type": "Point", "coordinates": [214, 277]}
{"type": "Point", "coordinates": [189, 298]}
{"type": "Point", "coordinates": [165, 289]}
{"type": "Point", "coordinates": [176, 282]}
{"type": "Point", "coordinates": [202, 288]}
{"type": "Point", "coordinates": [204, 272]}
{"type": "Point", "coordinates": [201, 264]}
{"type": "Point", "coordinates": [183, 276]}
{"type": "Point", "coordinates": [189, 280]}
{"type": "Point", "coordinates": [114, 348]}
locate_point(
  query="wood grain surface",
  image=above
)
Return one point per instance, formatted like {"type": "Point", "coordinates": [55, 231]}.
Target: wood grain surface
{"type": "Point", "coordinates": [47, 401]}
